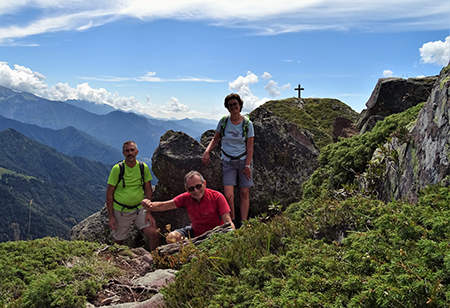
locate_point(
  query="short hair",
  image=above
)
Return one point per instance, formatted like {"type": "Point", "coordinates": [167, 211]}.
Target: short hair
{"type": "Point", "coordinates": [191, 174]}
{"type": "Point", "coordinates": [127, 143]}
{"type": "Point", "coordinates": [230, 97]}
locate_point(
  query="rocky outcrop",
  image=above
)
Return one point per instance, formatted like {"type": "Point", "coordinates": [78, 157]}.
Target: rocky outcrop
{"type": "Point", "coordinates": [394, 95]}
{"type": "Point", "coordinates": [422, 150]}
{"type": "Point", "coordinates": [284, 157]}
{"type": "Point", "coordinates": [343, 128]}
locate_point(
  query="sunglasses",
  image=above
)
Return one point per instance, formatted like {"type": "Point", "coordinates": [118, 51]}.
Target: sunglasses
{"type": "Point", "coordinates": [232, 105]}
{"type": "Point", "coordinates": [192, 188]}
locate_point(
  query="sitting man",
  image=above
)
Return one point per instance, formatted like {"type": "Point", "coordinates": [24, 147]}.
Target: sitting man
{"type": "Point", "coordinates": [206, 208]}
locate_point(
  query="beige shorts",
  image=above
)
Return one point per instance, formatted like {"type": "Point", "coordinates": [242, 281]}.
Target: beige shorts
{"type": "Point", "coordinates": [124, 220]}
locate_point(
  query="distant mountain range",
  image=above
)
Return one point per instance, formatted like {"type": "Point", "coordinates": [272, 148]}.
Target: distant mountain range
{"type": "Point", "coordinates": [43, 192]}
{"type": "Point", "coordinates": [68, 140]}
{"type": "Point", "coordinates": [111, 128]}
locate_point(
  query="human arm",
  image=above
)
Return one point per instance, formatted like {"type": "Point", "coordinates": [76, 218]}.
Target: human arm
{"type": "Point", "coordinates": [227, 218]}
{"type": "Point", "coordinates": [248, 161]}
{"type": "Point", "coordinates": [212, 144]}
{"type": "Point", "coordinates": [159, 206]}
{"type": "Point", "coordinates": [109, 206]}
{"type": "Point", "coordinates": [148, 190]}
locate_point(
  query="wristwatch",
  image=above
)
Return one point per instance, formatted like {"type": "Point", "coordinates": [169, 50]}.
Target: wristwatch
{"type": "Point", "coordinates": [247, 166]}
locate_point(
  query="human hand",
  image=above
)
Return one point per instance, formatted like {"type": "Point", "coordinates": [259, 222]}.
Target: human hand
{"type": "Point", "coordinates": [150, 219]}
{"type": "Point", "coordinates": [205, 158]}
{"type": "Point", "coordinates": [146, 203]}
{"type": "Point", "coordinates": [248, 172]}
{"type": "Point", "coordinates": [112, 223]}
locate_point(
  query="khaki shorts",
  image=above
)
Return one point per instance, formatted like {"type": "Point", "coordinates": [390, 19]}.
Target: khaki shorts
{"type": "Point", "coordinates": [124, 220]}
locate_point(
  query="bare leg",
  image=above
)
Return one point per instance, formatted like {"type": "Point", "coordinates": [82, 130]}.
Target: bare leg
{"type": "Point", "coordinates": [118, 242]}
{"type": "Point", "coordinates": [244, 194]}
{"type": "Point", "coordinates": [229, 195]}
{"type": "Point", "coordinates": [153, 238]}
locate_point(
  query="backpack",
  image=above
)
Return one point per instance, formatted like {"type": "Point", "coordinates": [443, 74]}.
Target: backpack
{"type": "Point", "coordinates": [122, 172]}
{"type": "Point", "coordinates": [244, 126]}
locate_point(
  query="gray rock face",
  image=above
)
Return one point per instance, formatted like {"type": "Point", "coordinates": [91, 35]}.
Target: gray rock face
{"type": "Point", "coordinates": [424, 150]}
{"type": "Point", "coordinates": [394, 95]}
{"type": "Point", "coordinates": [285, 156]}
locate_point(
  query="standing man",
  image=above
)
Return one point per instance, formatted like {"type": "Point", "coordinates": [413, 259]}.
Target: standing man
{"type": "Point", "coordinates": [206, 208]}
{"type": "Point", "coordinates": [128, 184]}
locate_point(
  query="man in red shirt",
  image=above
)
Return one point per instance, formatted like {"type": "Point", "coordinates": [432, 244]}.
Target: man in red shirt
{"type": "Point", "coordinates": [206, 208]}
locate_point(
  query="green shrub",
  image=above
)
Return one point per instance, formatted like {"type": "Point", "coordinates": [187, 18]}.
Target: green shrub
{"type": "Point", "coordinates": [340, 162]}
{"type": "Point", "coordinates": [393, 255]}
{"type": "Point", "coordinates": [50, 272]}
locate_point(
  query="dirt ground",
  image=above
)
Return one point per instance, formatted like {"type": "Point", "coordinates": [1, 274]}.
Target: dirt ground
{"type": "Point", "coordinates": [121, 290]}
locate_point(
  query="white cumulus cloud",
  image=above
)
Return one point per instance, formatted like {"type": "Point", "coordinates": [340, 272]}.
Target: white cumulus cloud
{"type": "Point", "coordinates": [436, 52]}
{"type": "Point", "coordinates": [175, 106]}
{"type": "Point", "coordinates": [242, 86]}
{"type": "Point", "coordinates": [266, 75]}
{"type": "Point", "coordinates": [272, 88]}
{"type": "Point", "coordinates": [23, 79]}
{"type": "Point", "coordinates": [388, 73]}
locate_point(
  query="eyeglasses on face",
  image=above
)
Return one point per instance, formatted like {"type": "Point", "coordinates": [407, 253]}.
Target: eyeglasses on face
{"type": "Point", "coordinates": [232, 105]}
{"type": "Point", "coordinates": [192, 188]}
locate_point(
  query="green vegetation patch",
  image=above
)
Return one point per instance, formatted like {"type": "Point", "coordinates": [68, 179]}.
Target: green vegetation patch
{"type": "Point", "coordinates": [50, 272]}
{"type": "Point", "coordinates": [340, 162]}
{"type": "Point", "coordinates": [6, 171]}
{"type": "Point", "coordinates": [317, 115]}
{"type": "Point", "coordinates": [393, 255]}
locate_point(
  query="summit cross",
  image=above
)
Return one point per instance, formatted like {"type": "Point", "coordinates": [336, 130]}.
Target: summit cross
{"type": "Point", "coordinates": [299, 89]}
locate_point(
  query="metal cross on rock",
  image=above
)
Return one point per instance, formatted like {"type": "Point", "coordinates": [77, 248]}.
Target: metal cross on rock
{"type": "Point", "coordinates": [299, 89]}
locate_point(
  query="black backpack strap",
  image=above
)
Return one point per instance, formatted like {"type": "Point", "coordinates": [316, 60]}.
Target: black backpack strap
{"type": "Point", "coordinates": [121, 173]}
{"type": "Point", "coordinates": [234, 157]}
{"type": "Point", "coordinates": [142, 169]}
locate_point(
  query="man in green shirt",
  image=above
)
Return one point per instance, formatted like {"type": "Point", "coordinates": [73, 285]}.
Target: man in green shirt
{"type": "Point", "coordinates": [124, 195]}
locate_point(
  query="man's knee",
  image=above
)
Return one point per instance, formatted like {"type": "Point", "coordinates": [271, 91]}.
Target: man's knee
{"type": "Point", "coordinates": [150, 231]}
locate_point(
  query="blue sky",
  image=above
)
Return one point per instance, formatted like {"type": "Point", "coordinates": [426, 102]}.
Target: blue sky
{"type": "Point", "coordinates": [180, 58]}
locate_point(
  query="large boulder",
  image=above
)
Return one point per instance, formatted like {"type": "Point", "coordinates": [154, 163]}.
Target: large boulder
{"type": "Point", "coordinates": [422, 151]}
{"type": "Point", "coordinates": [394, 95]}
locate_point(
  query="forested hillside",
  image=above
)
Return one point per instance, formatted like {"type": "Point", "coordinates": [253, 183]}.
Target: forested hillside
{"type": "Point", "coordinates": [69, 140]}
{"type": "Point", "coordinates": [44, 192]}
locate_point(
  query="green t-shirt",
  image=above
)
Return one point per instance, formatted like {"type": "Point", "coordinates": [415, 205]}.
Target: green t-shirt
{"type": "Point", "coordinates": [133, 193]}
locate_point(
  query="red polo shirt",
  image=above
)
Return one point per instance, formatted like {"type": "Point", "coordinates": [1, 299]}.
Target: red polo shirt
{"type": "Point", "coordinates": [207, 214]}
